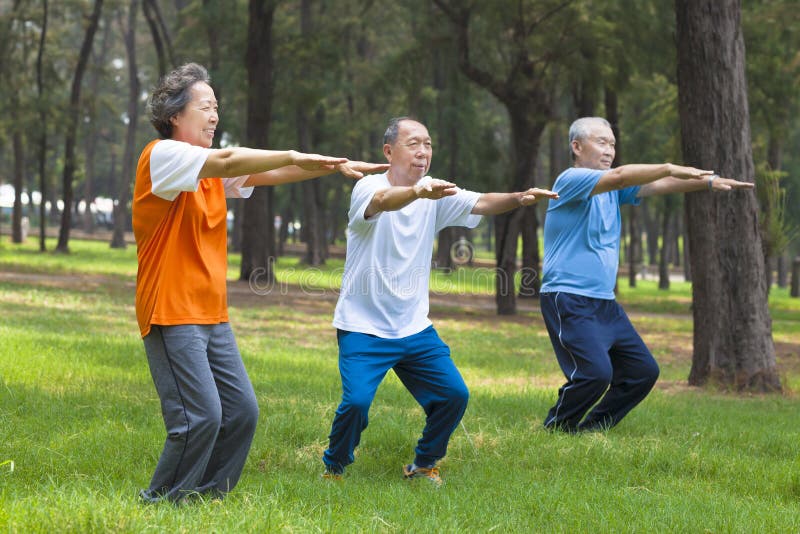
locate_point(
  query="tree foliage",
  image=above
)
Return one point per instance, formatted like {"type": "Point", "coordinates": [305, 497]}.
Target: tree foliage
{"type": "Point", "coordinates": [364, 62]}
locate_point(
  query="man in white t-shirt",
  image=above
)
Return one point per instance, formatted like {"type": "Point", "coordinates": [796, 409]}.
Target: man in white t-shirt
{"type": "Point", "coordinates": [382, 313]}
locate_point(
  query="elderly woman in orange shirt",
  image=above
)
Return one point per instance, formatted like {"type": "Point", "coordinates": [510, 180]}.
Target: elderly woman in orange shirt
{"type": "Point", "coordinates": [179, 220]}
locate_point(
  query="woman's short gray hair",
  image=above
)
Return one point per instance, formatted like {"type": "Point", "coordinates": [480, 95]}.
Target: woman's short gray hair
{"type": "Point", "coordinates": [582, 128]}
{"type": "Point", "coordinates": [172, 94]}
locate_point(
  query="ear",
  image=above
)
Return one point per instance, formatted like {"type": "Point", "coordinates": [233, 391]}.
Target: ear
{"type": "Point", "coordinates": [387, 152]}
{"type": "Point", "coordinates": [174, 120]}
{"type": "Point", "coordinates": [576, 148]}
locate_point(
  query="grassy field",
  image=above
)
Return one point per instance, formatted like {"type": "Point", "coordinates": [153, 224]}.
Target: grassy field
{"type": "Point", "coordinates": [80, 428]}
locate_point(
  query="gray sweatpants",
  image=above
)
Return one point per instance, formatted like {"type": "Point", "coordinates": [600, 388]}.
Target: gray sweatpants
{"type": "Point", "coordinates": [209, 409]}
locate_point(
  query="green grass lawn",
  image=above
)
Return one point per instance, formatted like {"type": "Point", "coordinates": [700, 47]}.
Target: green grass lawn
{"type": "Point", "coordinates": [80, 426]}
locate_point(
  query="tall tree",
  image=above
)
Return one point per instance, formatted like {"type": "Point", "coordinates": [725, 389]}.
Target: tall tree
{"type": "Point", "coordinates": [519, 83]}
{"type": "Point", "coordinates": [258, 230]}
{"type": "Point", "coordinates": [42, 156]}
{"type": "Point", "coordinates": [71, 133]}
{"type": "Point", "coordinates": [15, 46]}
{"type": "Point", "coordinates": [18, 143]}
{"type": "Point", "coordinates": [667, 241]}
{"type": "Point", "coordinates": [121, 215]}
{"type": "Point", "coordinates": [313, 220]}
{"type": "Point", "coordinates": [733, 343]}
{"type": "Point", "coordinates": [160, 34]}
{"type": "Point", "coordinates": [92, 137]}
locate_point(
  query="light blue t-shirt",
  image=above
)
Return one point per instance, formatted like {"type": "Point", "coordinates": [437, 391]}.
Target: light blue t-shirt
{"type": "Point", "coordinates": [581, 235]}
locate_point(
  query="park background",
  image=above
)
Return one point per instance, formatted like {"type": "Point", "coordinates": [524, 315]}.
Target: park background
{"type": "Point", "coordinates": [497, 83]}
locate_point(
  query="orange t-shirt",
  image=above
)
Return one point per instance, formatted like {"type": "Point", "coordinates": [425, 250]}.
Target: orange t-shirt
{"type": "Point", "coordinates": [180, 224]}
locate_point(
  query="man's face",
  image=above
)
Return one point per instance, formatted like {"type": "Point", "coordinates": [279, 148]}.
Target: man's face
{"type": "Point", "coordinates": [597, 150]}
{"type": "Point", "coordinates": [198, 120]}
{"type": "Point", "coordinates": [410, 155]}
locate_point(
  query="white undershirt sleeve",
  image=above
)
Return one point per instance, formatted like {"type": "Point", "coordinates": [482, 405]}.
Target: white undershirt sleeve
{"type": "Point", "coordinates": [175, 167]}
{"type": "Point", "coordinates": [235, 188]}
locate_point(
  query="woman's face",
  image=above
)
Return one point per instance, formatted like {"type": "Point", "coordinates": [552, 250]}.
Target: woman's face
{"type": "Point", "coordinates": [197, 121]}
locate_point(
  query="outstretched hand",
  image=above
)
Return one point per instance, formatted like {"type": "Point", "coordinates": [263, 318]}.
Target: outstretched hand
{"type": "Point", "coordinates": [435, 189]}
{"type": "Point", "coordinates": [534, 194]}
{"type": "Point", "coordinates": [315, 162]}
{"type": "Point", "coordinates": [688, 173]}
{"type": "Point", "coordinates": [726, 184]}
{"type": "Point", "coordinates": [357, 169]}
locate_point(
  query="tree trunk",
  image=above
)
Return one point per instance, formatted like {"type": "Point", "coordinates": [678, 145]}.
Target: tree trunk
{"type": "Point", "coordinates": [559, 157]}
{"type": "Point", "coordinates": [733, 343]}
{"type": "Point", "coordinates": [448, 236]}
{"type": "Point", "coordinates": [506, 232]}
{"type": "Point", "coordinates": [19, 179]}
{"type": "Point", "coordinates": [526, 132]}
{"type": "Point", "coordinates": [687, 261]}
{"type": "Point", "coordinates": [287, 220]}
{"type": "Point", "coordinates": [211, 17]}
{"type": "Point", "coordinates": [334, 215]}
{"type": "Point", "coordinates": [666, 243]}
{"type": "Point", "coordinates": [93, 136]}
{"type": "Point", "coordinates": [529, 108]}
{"type": "Point", "coordinates": [634, 226]}
{"type": "Point", "coordinates": [42, 129]}
{"type": "Point", "coordinates": [312, 216]}
{"type": "Point", "coordinates": [71, 132]}
{"type": "Point", "coordinates": [121, 216]}
{"type": "Point", "coordinates": [651, 228]}
{"type": "Point", "coordinates": [444, 72]}
{"type": "Point", "coordinates": [677, 231]}
{"type": "Point", "coordinates": [160, 34]}
{"type": "Point", "coordinates": [258, 229]}
{"type": "Point", "coordinates": [634, 245]}
{"type": "Point", "coordinates": [530, 281]}
{"type": "Point", "coordinates": [782, 271]}
{"type": "Point", "coordinates": [315, 241]}
{"type": "Point", "coordinates": [774, 158]}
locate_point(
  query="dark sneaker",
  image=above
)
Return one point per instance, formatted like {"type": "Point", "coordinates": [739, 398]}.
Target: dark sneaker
{"type": "Point", "coordinates": [430, 473]}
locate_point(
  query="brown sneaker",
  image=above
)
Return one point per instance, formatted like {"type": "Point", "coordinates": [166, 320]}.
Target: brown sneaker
{"type": "Point", "coordinates": [430, 473]}
{"type": "Point", "coordinates": [331, 474]}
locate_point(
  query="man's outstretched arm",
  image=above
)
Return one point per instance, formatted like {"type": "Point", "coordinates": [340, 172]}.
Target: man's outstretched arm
{"type": "Point", "coordinates": [399, 196]}
{"type": "Point", "coordinates": [293, 173]}
{"type": "Point", "coordinates": [495, 203]}
{"type": "Point", "coordinates": [643, 174]}
{"type": "Point", "coordinates": [676, 185]}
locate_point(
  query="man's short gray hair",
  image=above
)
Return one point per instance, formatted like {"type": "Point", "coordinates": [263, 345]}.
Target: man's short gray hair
{"type": "Point", "coordinates": [390, 136]}
{"type": "Point", "coordinates": [172, 94]}
{"type": "Point", "coordinates": [582, 128]}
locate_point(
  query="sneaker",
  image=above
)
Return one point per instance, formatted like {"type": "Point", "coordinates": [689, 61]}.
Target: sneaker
{"type": "Point", "coordinates": [431, 473]}
{"type": "Point", "coordinates": [331, 474]}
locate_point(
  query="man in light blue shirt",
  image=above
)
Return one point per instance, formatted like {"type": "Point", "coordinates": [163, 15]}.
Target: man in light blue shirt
{"type": "Point", "coordinates": [609, 369]}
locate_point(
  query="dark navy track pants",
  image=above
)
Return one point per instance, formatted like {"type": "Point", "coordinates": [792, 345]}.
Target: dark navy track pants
{"type": "Point", "coordinates": [608, 368]}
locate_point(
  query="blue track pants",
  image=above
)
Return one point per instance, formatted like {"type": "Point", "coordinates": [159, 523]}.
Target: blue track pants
{"type": "Point", "coordinates": [422, 363]}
